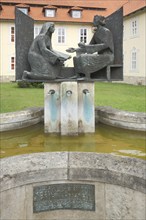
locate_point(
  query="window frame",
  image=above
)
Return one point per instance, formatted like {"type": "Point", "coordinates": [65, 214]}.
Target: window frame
{"type": "Point", "coordinates": [134, 27]}
{"type": "Point", "coordinates": [12, 34]}
{"type": "Point", "coordinates": [83, 28]}
{"type": "Point", "coordinates": [76, 14]}
{"type": "Point", "coordinates": [49, 10]}
{"type": "Point", "coordinates": [12, 63]}
{"type": "Point", "coordinates": [134, 60]}
{"type": "Point", "coordinates": [24, 10]}
{"type": "Point", "coordinates": [39, 27]}
{"type": "Point", "coordinates": [61, 36]}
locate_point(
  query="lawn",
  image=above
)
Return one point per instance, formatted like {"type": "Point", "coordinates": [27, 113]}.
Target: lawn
{"type": "Point", "coordinates": [14, 98]}
{"type": "Point", "coordinates": [120, 96]}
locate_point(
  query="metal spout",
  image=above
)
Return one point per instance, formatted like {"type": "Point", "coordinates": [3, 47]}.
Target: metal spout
{"type": "Point", "coordinates": [68, 92]}
{"type": "Point", "coordinates": [51, 92]}
{"type": "Point", "coordinates": [86, 91]}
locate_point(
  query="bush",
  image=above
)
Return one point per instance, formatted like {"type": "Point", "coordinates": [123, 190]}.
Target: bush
{"type": "Point", "coordinates": [25, 84]}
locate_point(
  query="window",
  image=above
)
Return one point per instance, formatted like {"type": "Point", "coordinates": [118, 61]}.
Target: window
{"type": "Point", "coordinates": [12, 34]}
{"type": "Point", "coordinates": [24, 10]}
{"type": "Point", "coordinates": [134, 59]}
{"type": "Point", "coordinates": [76, 13]}
{"type": "Point", "coordinates": [12, 63]}
{"type": "Point", "coordinates": [123, 31]}
{"type": "Point", "coordinates": [61, 35]}
{"type": "Point", "coordinates": [37, 30]}
{"type": "Point", "coordinates": [83, 35]}
{"type": "Point", "coordinates": [134, 27]}
{"type": "Point", "coordinates": [49, 12]}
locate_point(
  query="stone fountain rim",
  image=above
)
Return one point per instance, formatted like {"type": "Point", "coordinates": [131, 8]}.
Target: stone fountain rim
{"type": "Point", "coordinates": [17, 171]}
{"type": "Point", "coordinates": [104, 114]}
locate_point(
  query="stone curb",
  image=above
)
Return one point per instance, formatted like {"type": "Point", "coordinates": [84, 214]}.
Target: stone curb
{"type": "Point", "coordinates": [21, 119]}
{"type": "Point", "coordinates": [120, 118]}
{"type": "Point", "coordinates": [73, 166]}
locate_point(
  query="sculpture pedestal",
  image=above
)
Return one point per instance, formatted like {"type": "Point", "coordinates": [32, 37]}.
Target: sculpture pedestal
{"type": "Point", "coordinates": [69, 107]}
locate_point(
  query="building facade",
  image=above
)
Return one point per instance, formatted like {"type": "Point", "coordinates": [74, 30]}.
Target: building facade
{"type": "Point", "coordinates": [134, 43]}
{"type": "Point", "coordinates": [73, 23]}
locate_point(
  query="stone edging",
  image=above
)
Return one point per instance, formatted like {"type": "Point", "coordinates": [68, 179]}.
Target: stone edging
{"type": "Point", "coordinates": [73, 166]}
{"type": "Point", "coordinates": [120, 118]}
{"type": "Point", "coordinates": [20, 119]}
{"type": "Point", "coordinates": [103, 114]}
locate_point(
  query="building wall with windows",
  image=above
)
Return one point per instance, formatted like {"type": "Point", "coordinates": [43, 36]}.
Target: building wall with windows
{"type": "Point", "coordinates": [65, 36]}
{"type": "Point", "coordinates": [7, 51]}
{"type": "Point", "coordinates": [134, 43]}
{"type": "Point", "coordinates": [74, 24]}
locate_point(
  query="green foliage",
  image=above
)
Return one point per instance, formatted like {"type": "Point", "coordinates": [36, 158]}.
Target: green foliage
{"type": "Point", "coordinates": [117, 95]}
{"type": "Point", "coordinates": [25, 84]}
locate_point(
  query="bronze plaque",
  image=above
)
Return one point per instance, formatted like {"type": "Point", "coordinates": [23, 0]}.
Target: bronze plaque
{"type": "Point", "coordinates": [64, 196]}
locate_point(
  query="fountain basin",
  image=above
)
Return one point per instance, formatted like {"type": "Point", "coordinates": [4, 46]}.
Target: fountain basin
{"type": "Point", "coordinates": [103, 114]}
{"type": "Point", "coordinates": [119, 184]}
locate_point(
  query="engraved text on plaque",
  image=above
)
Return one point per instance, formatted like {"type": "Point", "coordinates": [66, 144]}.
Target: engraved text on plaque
{"type": "Point", "coordinates": [64, 196]}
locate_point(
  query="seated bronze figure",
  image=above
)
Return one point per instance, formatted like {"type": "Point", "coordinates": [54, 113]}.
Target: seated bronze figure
{"type": "Point", "coordinates": [98, 54]}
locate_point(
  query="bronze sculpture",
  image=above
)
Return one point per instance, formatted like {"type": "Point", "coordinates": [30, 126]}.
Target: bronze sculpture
{"type": "Point", "coordinates": [45, 62]}
{"type": "Point", "coordinates": [97, 54]}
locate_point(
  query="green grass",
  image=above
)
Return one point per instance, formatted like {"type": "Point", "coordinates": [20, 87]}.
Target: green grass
{"type": "Point", "coordinates": [14, 98]}
{"type": "Point", "coordinates": [120, 96]}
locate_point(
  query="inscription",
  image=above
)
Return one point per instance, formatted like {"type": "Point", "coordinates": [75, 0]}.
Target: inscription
{"type": "Point", "coordinates": [64, 196]}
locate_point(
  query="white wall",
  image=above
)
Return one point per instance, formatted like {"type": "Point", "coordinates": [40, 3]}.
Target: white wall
{"type": "Point", "coordinates": [137, 42]}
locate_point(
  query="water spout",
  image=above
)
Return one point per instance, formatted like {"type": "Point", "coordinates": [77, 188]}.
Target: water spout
{"type": "Point", "coordinates": [51, 92]}
{"type": "Point", "coordinates": [68, 92]}
{"type": "Point", "coordinates": [86, 91]}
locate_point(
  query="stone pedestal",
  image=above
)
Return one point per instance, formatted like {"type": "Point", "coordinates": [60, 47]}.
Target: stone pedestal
{"type": "Point", "coordinates": [69, 107]}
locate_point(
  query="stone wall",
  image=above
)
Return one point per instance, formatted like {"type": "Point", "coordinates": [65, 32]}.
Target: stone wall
{"type": "Point", "coordinates": [119, 184]}
{"type": "Point", "coordinates": [122, 119]}
{"type": "Point", "coordinates": [20, 119]}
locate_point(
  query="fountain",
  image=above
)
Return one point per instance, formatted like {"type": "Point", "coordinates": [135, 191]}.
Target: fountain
{"type": "Point", "coordinates": [69, 100]}
{"type": "Point", "coordinates": [71, 185]}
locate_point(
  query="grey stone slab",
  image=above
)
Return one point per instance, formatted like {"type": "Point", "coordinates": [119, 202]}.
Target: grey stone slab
{"type": "Point", "coordinates": [120, 118]}
{"type": "Point", "coordinates": [69, 108]}
{"type": "Point", "coordinates": [109, 112]}
{"type": "Point", "coordinates": [24, 36]}
{"type": "Point", "coordinates": [21, 119]}
{"type": "Point", "coordinates": [124, 204]}
{"type": "Point", "coordinates": [29, 168]}
{"type": "Point", "coordinates": [52, 107]}
{"type": "Point", "coordinates": [86, 113]}
{"type": "Point", "coordinates": [13, 205]}
{"type": "Point", "coordinates": [124, 171]}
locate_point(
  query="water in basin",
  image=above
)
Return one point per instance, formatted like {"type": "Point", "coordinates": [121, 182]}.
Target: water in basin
{"type": "Point", "coordinates": [106, 139]}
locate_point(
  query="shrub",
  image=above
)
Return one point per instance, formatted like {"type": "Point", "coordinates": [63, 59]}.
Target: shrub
{"type": "Point", "coordinates": [25, 84]}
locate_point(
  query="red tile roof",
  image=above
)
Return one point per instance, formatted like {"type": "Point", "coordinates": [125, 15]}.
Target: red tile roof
{"type": "Point", "coordinates": [133, 6]}
{"type": "Point", "coordinates": [90, 8]}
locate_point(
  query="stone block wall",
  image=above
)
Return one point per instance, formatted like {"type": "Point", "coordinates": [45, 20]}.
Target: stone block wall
{"type": "Point", "coordinates": [119, 185]}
